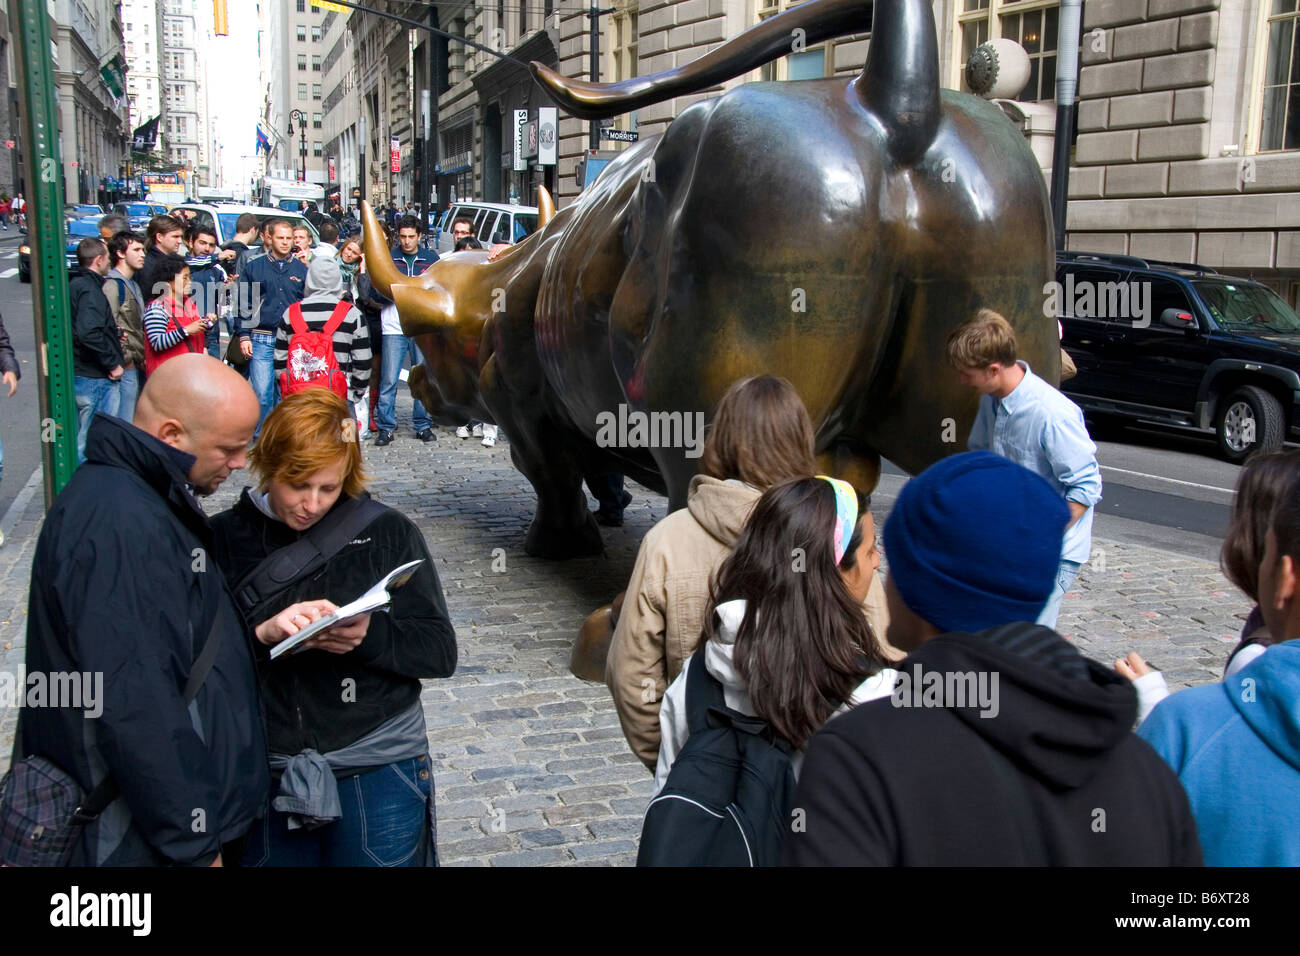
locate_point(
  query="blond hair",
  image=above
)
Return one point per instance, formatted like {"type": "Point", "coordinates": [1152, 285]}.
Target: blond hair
{"type": "Point", "coordinates": [982, 341]}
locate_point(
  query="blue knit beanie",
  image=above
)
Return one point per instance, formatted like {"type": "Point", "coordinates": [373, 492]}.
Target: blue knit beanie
{"type": "Point", "coordinates": [974, 541]}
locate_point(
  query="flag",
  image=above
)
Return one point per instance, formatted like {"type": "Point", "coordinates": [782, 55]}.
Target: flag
{"type": "Point", "coordinates": [262, 142]}
{"type": "Point", "coordinates": [220, 22]}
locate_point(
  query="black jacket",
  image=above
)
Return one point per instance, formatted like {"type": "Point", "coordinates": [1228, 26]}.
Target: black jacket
{"type": "Point", "coordinates": [123, 585]}
{"type": "Point", "coordinates": [1055, 778]}
{"type": "Point", "coordinates": [147, 277]}
{"type": "Point", "coordinates": [8, 362]}
{"type": "Point", "coordinates": [96, 348]}
{"type": "Point", "coordinates": [235, 266]}
{"type": "Point", "coordinates": [303, 692]}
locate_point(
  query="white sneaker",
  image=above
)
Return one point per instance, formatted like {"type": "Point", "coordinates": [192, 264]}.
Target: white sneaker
{"type": "Point", "coordinates": [478, 430]}
{"type": "Point", "coordinates": [489, 436]}
{"type": "Point", "coordinates": [462, 432]}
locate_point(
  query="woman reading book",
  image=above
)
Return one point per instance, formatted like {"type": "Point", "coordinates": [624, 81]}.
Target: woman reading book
{"type": "Point", "coordinates": [352, 783]}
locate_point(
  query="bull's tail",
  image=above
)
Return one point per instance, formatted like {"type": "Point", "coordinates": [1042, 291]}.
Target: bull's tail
{"type": "Point", "coordinates": [899, 83]}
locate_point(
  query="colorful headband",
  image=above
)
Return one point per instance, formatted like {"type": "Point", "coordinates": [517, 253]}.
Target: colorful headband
{"type": "Point", "coordinates": [846, 514]}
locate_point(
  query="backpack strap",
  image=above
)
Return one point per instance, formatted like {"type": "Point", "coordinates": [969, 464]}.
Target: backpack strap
{"type": "Point", "coordinates": [336, 317]}
{"type": "Point", "coordinates": [308, 554]}
{"type": "Point", "coordinates": [703, 693]}
{"type": "Point", "coordinates": [296, 321]}
{"type": "Point", "coordinates": [106, 790]}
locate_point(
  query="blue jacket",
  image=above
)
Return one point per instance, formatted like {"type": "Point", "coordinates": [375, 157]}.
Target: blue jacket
{"type": "Point", "coordinates": [280, 284]}
{"type": "Point", "coordinates": [423, 259]}
{"type": "Point", "coordinates": [1236, 748]}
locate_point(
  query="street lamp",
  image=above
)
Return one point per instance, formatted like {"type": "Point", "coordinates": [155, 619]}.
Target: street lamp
{"type": "Point", "coordinates": [301, 117]}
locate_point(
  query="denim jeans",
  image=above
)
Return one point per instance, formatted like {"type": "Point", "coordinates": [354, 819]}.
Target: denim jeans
{"type": "Point", "coordinates": [92, 395]}
{"type": "Point", "coordinates": [396, 349]}
{"type": "Point", "coordinates": [128, 392]}
{"type": "Point", "coordinates": [387, 820]}
{"type": "Point", "coordinates": [212, 340]}
{"type": "Point", "coordinates": [261, 375]}
{"type": "Point", "coordinates": [1065, 576]}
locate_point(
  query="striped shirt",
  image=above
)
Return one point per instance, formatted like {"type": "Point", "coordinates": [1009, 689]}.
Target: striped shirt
{"type": "Point", "coordinates": [158, 316]}
{"type": "Point", "coordinates": [351, 340]}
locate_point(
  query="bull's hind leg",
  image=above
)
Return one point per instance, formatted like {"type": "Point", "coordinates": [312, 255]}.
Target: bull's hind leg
{"type": "Point", "coordinates": [563, 526]}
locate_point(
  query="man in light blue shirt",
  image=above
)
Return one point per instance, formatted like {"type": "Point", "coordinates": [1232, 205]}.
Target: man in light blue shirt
{"type": "Point", "coordinates": [1023, 418]}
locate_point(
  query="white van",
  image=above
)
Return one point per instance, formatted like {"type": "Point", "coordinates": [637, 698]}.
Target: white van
{"type": "Point", "coordinates": [494, 222]}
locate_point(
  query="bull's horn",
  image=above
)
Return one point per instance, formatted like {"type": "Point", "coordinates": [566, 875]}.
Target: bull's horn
{"type": "Point", "coordinates": [545, 207]}
{"type": "Point", "coordinates": [899, 84]}
{"type": "Point", "coordinates": [423, 310]}
{"type": "Point", "coordinates": [379, 261]}
{"type": "Point", "coordinates": [817, 21]}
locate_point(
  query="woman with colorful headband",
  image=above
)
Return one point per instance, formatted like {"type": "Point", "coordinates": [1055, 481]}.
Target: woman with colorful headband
{"type": "Point", "coordinates": [785, 632]}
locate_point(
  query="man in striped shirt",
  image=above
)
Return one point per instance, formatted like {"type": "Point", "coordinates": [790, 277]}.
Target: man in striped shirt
{"type": "Point", "coordinates": [324, 291]}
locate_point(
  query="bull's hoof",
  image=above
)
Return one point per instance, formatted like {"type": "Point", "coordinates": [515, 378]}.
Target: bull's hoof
{"type": "Point", "coordinates": [560, 544]}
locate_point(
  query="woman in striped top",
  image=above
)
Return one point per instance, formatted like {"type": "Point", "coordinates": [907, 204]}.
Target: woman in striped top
{"type": "Point", "coordinates": [172, 324]}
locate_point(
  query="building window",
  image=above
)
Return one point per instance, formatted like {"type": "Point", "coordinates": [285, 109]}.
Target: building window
{"type": "Point", "coordinates": [302, 91]}
{"type": "Point", "coordinates": [523, 17]}
{"type": "Point", "coordinates": [1034, 29]}
{"type": "Point", "coordinates": [316, 120]}
{"type": "Point", "coordinates": [302, 61]}
{"type": "Point", "coordinates": [803, 65]}
{"type": "Point", "coordinates": [315, 91]}
{"type": "Point", "coordinates": [1281, 118]}
{"type": "Point", "coordinates": [302, 6]}
{"type": "Point", "coordinates": [315, 34]}
{"type": "Point", "coordinates": [316, 149]}
{"type": "Point", "coordinates": [302, 33]}
{"type": "Point", "coordinates": [315, 64]}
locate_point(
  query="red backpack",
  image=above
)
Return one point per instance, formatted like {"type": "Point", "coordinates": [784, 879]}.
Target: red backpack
{"type": "Point", "coordinates": [311, 354]}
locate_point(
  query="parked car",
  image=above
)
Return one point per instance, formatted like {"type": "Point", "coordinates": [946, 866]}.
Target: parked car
{"type": "Point", "coordinates": [77, 210]}
{"type": "Point", "coordinates": [494, 222]}
{"type": "Point", "coordinates": [78, 229]}
{"type": "Point", "coordinates": [138, 214]}
{"type": "Point", "coordinates": [1180, 344]}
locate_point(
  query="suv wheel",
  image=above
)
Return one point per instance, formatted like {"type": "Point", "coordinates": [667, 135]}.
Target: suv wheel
{"type": "Point", "coordinates": [1249, 419]}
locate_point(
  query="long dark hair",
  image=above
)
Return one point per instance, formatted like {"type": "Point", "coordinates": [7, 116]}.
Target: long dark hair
{"type": "Point", "coordinates": [804, 644]}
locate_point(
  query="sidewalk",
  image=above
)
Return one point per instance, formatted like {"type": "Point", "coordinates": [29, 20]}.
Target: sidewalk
{"type": "Point", "coordinates": [530, 764]}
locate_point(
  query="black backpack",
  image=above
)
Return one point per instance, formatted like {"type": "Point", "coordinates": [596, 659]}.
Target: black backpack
{"type": "Point", "coordinates": [728, 795]}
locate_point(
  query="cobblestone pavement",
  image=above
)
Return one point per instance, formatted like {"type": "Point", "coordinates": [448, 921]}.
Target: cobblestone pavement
{"type": "Point", "coordinates": [530, 764]}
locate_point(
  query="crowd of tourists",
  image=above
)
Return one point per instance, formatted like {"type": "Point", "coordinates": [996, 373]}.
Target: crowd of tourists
{"type": "Point", "coordinates": [793, 708]}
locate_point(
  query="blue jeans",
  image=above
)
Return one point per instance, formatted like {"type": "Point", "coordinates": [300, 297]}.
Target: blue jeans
{"type": "Point", "coordinates": [1065, 576]}
{"type": "Point", "coordinates": [92, 395]}
{"type": "Point", "coordinates": [261, 375]}
{"type": "Point", "coordinates": [128, 392]}
{"type": "Point", "coordinates": [387, 820]}
{"type": "Point", "coordinates": [212, 339]}
{"type": "Point", "coordinates": [396, 350]}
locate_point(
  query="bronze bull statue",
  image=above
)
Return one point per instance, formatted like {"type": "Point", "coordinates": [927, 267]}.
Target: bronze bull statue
{"type": "Point", "coordinates": [831, 231]}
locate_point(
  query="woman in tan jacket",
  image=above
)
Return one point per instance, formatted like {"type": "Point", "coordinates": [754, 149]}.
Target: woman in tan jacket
{"type": "Point", "coordinates": [761, 436]}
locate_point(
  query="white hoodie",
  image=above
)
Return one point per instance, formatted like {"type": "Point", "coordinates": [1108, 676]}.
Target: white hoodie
{"type": "Point", "coordinates": [717, 658]}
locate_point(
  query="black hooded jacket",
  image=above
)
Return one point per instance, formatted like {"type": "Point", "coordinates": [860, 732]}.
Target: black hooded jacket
{"type": "Point", "coordinates": [320, 700]}
{"type": "Point", "coordinates": [1053, 777]}
{"type": "Point", "coordinates": [124, 586]}
{"type": "Point", "coordinates": [96, 342]}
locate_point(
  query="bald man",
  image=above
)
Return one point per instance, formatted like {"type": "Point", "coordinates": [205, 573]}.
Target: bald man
{"type": "Point", "coordinates": [124, 594]}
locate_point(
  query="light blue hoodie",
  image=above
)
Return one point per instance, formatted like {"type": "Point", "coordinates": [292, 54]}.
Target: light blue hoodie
{"type": "Point", "coordinates": [1236, 748]}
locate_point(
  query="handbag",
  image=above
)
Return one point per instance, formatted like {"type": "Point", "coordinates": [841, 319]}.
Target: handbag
{"type": "Point", "coordinates": [42, 809]}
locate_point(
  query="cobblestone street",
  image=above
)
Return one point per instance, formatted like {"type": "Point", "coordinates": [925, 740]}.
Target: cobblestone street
{"type": "Point", "coordinates": [531, 766]}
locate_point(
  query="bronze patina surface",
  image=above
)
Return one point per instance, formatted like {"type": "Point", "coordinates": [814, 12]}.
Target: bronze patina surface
{"type": "Point", "coordinates": [831, 231]}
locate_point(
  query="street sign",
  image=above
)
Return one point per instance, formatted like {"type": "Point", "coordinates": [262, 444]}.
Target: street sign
{"type": "Point", "coordinates": [394, 155]}
{"type": "Point", "coordinates": [326, 5]}
{"type": "Point", "coordinates": [521, 121]}
{"type": "Point", "coordinates": [547, 124]}
{"type": "Point", "coordinates": [620, 135]}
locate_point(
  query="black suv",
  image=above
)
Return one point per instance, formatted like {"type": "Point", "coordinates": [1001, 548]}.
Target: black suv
{"type": "Point", "coordinates": [1183, 345]}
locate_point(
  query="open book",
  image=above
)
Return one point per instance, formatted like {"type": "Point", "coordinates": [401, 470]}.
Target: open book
{"type": "Point", "coordinates": [375, 599]}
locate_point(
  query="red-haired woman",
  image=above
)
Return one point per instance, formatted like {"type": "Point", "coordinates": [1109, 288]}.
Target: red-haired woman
{"type": "Point", "coordinates": [353, 784]}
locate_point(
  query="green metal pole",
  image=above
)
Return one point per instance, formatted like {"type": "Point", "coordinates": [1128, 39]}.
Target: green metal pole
{"type": "Point", "coordinates": [45, 235]}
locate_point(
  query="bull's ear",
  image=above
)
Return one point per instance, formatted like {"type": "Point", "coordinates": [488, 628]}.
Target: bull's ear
{"type": "Point", "coordinates": [899, 84]}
